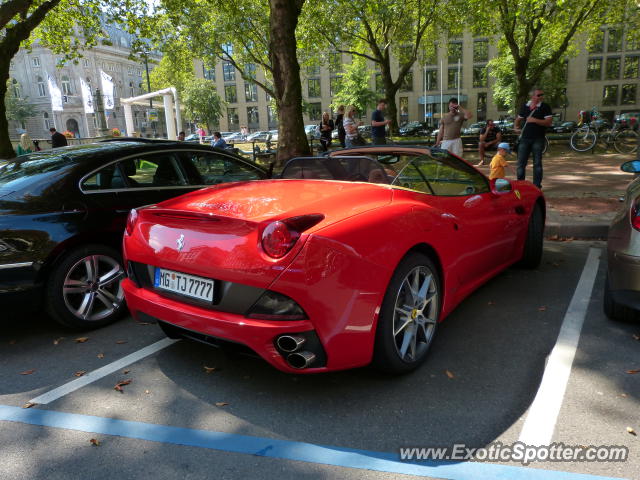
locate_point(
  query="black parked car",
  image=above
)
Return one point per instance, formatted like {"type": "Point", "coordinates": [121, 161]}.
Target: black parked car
{"type": "Point", "coordinates": [415, 129]}
{"type": "Point", "coordinates": [565, 127]}
{"type": "Point", "coordinates": [63, 211]}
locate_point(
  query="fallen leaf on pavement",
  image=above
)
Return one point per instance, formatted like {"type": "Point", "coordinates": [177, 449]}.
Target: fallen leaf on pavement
{"type": "Point", "coordinates": [124, 372]}
{"type": "Point", "coordinates": [632, 431]}
{"type": "Point", "coordinates": [542, 309]}
{"type": "Point", "coordinates": [100, 355]}
{"type": "Point", "coordinates": [209, 369]}
{"type": "Point", "coordinates": [28, 372]}
{"type": "Point", "coordinates": [29, 405]}
{"type": "Point", "coordinates": [553, 237]}
{"type": "Point", "coordinates": [120, 342]}
{"type": "Point", "coordinates": [623, 395]}
{"type": "Point", "coordinates": [80, 373]}
{"type": "Point", "coordinates": [633, 371]}
{"type": "Point", "coordinates": [221, 404]}
{"type": "Point", "coordinates": [81, 339]}
{"type": "Point", "coordinates": [449, 374]}
{"type": "Point", "coordinates": [94, 442]}
{"type": "Point", "coordinates": [147, 392]}
{"type": "Point", "coordinates": [121, 384]}
{"type": "Point", "coordinates": [636, 337]}
{"type": "Point", "coordinates": [58, 340]}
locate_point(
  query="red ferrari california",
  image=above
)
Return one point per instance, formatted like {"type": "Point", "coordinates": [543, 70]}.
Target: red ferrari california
{"type": "Point", "coordinates": [345, 261]}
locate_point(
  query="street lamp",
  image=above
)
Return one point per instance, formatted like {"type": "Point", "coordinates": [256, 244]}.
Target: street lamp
{"type": "Point", "coordinates": [146, 66]}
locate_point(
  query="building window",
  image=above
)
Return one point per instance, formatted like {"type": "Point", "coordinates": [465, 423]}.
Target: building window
{"type": "Point", "coordinates": [335, 62]}
{"type": "Point", "coordinates": [594, 69]}
{"type": "Point", "coordinates": [404, 109]}
{"type": "Point", "coordinates": [315, 111]}
{"type": "Point", "coordinates": [85, 62]}
{"type": "Point", "coordinates": [250, 70]}
{"type": "Point", "coordinates": [631, 66]}
{"type": "Point", "coordinates": [613, 68]}
{"type": "Point", "coordinates": [379, 83]}
{"type": "Point", "coordinates": [313, 86]}
{"type": "Point", "coordinates": [66, 85]}
{"type": "Point", "coordinates": [407, 82]}
{"type": "Point", "coordinates": [455, 52]}
{"type": "Point", "coordinates": [610, 95]}
{"type": "Point", "coordinates": [253, 118]}
{"type": "Point", "coordinates": [453, 80]}
{"type": "Point", "coordinates": [232, 118]}
{"type": "Point", "coordinates": [596, 42]}
{"type": "Point", "coordinates": [15, 88]}
{"type": "Point", "coordinates": [47, 122]}
{"type": "Point", "coordinates": [430, 79]}
{"type": "Point", "coordinates": [227, 48]}
{"type": "Point", "coordinates": [123, 42]}
{"type": "Point", "coordinates": [313, 68]}
{"type": "Point", "coordinates": [251, 92]}
{"type": "Point", "coordinates": [42, 91]}
{"type": "Point", "coordinates": [481, 108]}
{"type": "Point", "coordinates": [481, 50]}
{"type": "Point", "coordinates": [431, 55]}
{"type": "Point", "coordinates": [629, 94]}
{"type": "Point", "coordinates": [131, 90]}
{"type": "Point", "coordinates": [35, 61]}
{"type": "Point", "coordinates": [230, 93]}
{"type": "Point", "coordinates": [615, 40]}
{"type": "Point", "coordinates": [272, 116]}
{"type": "Point", "coordinates": [209, 73]}
{"type": "Point", "coordinates": [480, 76]}
{"type": "Point", "coordinates": [228, 72]}
{"type": "Point", "coordinates": [334, 85]}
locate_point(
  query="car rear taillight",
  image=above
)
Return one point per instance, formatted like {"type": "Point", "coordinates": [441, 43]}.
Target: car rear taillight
{"type": "Point", "coordinates": [279, 237]}
{"type": "Point", "coordinates": [131, 221]}
{"type": "Point", "coordinates": [634, 214]}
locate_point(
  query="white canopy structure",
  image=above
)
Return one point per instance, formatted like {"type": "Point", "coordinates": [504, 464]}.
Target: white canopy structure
{"type": "Point", "coordinates": [172, 117]}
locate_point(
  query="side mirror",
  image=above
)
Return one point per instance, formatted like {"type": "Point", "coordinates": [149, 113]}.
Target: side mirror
{"type": "Point", "coordinates": [632, 166]}
{"type": "Point", "coordinates": [500, 186]}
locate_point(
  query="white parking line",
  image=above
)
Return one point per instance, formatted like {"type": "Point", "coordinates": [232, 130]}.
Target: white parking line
{"type": "Point", "coordinates": [90, 377]}
{"type": "Point", "coordinates": [543, 413]}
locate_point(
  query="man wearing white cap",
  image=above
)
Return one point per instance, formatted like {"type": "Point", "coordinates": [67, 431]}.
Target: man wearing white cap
{"type": "Point", "coordinates": [499, 161]}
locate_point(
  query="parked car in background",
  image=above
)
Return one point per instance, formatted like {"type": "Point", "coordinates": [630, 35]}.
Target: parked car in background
{"type": "Point", "coordinates": [474, 128]}
{"type": "Point", "coordinates": [630, 120]}
{"type": "Point", "coordinates": [235, 137]}
{"type": "Point", "coordinates": [415, 129]}
{"type": "Point", "coordinates": [63, 212]}
{"type": "Point", "coordinates": [390, 221]}
{"type": "Point", "coordinates": [565, 127]}
{"type": "Point", "coordinates": [312, 131]}
{"type": "Point", "coordinates": [258, 136]}
{"type": "Point", "coordinates": [194, 137]}
{"type": "Point", "coordinates": [274, 135]}
{"type": "Point", "coordinates": [365, 131]}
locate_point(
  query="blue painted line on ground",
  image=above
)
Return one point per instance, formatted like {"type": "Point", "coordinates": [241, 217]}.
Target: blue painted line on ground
{"type": "Point", "coordinates": [282, 449]}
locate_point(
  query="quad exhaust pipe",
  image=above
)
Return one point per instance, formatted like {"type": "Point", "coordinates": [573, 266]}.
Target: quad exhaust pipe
{"type": "Point", "coordinates": [290, 343]}
{"type": "Point", "coordinates": [301, 360]}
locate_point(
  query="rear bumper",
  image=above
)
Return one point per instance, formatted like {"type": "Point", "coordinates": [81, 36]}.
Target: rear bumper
{"type": "Point", "coordinates": [624, 279]}
{"type": "Point", "coordinates": [258, 335]}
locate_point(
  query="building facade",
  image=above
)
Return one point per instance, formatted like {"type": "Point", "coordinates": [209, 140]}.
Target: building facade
{"type": "Point", "coordinates": [28, 79]}
{"type": "Point", "coordinates": [606, 74]}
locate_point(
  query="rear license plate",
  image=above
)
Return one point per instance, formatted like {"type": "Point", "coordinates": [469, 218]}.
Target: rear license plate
{"type": "Point", "coordinates": [184, 284]}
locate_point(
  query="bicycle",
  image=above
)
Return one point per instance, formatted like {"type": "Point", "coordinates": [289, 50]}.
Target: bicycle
{"type": "Point", "coordinates": [625, 140]}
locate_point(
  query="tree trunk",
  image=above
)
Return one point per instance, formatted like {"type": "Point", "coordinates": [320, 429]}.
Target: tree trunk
{"type": "Point", "coordinates": [390, 90]}
{"type": "Point", "coordinates": [6, 149]}
{"type": "Point", "coordinates": [292, 141]}
{"type": "Point", "coordinates": [523, 84]}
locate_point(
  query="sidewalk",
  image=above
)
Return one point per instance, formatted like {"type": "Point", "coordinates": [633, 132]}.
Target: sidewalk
{"type": "Point", "coordinates": [582, 189]}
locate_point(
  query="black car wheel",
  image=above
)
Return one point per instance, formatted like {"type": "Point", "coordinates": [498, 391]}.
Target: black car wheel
{"type": "Point", "coordinates": [532, 253]}
{"type": "Point", "coordinates": [613, 309]}
{"type": "Point", "coordinates": [409, 316]}
{"type": "Point", "coordinates": [84, 290]}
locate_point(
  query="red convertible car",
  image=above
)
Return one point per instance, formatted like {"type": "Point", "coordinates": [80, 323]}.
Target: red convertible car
{"type": "Point", "coordinates": [345, 261]}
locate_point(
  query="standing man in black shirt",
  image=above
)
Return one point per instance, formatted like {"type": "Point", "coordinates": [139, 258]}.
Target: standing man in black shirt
{"type": "Point", "coordinates": [378, 124]}
{"type": "Point", "coordinates": [537, 117]}
{"type": "Point", "coordinates": [57, 139]}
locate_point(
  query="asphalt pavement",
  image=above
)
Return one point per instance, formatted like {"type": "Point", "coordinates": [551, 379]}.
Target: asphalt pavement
{"type": "Point", "coordinates": [191, 411]}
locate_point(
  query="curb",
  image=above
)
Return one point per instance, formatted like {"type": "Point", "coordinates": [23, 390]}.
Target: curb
{"type": "Point", "coordinates": [591, 231]}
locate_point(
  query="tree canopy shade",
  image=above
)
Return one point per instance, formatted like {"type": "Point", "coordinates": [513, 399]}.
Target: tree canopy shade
{"type": "Point", "coordinates": [201, 102]}
{"type": "Point", "coordinates": [64, 26]}
{"type": "Point", "coordinates": [537, 34]}
{"type": "Point", "coordinates": [354, 87]}
{"type": "Point", "coordinates": [381, 31]}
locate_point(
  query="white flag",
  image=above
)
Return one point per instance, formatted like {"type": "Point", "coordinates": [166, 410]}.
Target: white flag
{"type": "Point", "coordinates": [87, 98]}
{"type": "Point", "coordinates": [107, 90]}
{"type": "Point", "coordinates": [55, 93]}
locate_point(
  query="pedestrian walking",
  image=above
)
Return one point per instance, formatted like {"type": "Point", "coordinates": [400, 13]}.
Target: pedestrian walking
{"type": "Point", "coordinates": [490, 136]}
{"type": "Point", "coordinates": [350, 128]}
{"type": "Point", "coordinates": [450, 127]}
{"type": "Point", "coordinates": [379, 124]}
{"type": "Point", "coordinates": [25, 146]}
{"type": "Point", "coordinates": [340, 126]}
{"type": "Point", "coordinates": [326, 127]}
{"type": "Point", "coordinates": [537, 117]}
{"type": "Point", "coordinates": [499, 161]}
{"type": "Point", "coordinates": [57, 139]}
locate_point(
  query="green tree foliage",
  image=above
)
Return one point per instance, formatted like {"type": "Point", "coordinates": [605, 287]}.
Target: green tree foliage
{"type": "Point", "coordinates": [201, 102]}
{"type": "Point", "coordinates": [535, 35]}
{"type": "Point", "coordinates": [381, 31]}
{"type": "Point", "coordinates": [18, 109]}
{"type": "Point", "coordinates": [175, 68]}
{"type": "Point", "coordinates": [354, 87]}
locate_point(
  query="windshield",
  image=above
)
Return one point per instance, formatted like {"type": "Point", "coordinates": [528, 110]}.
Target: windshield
{"type": "Point", "coordinates": [31, 168]}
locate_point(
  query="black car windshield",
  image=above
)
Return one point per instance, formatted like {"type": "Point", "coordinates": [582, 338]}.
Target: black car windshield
{"type": "Point", "coordinates": [30, 168]}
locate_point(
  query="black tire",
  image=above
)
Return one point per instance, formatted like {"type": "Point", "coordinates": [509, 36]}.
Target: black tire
{"type": "Point", "coordinates": [532, 252]}
{"type": "Point", "coordinates": [420, 320]}
{"type": "Point", "coordinates": [614, 310]}
{"type": "Point", "coordinates": [84, 288]}
{"type": "Point", "coordinates": [626, 141]}
{"type": "Point", "coordinates": [583, 139]}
